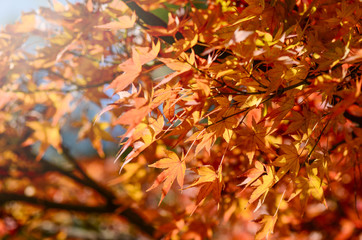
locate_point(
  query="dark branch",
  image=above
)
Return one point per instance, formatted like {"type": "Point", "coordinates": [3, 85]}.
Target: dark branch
{"type": "Point", "coordinates": [131, 215]}
{"type": "Point", "coordinates": [8, 197]}
{"type": "Point", "coordinates": [88, 181]}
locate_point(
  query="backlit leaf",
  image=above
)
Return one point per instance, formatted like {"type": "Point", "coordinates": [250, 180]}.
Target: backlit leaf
{"type": "Point", "coordinates": [174, 169]}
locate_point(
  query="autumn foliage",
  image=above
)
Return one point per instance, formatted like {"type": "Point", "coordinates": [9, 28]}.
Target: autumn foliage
{"type": "Point", "coordinates": [209, 120]}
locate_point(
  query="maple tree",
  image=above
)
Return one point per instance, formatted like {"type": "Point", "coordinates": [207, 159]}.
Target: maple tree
{"type": "Point", "coordinates": [253, 107]}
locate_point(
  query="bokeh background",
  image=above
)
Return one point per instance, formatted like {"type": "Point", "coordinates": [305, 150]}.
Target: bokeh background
{"type": "Point", "coordinates": [10, 11]}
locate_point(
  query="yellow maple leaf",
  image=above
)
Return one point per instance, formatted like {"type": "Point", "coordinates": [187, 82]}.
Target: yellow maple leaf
{"type": "Point", "coordinates": [263, 185]}
{"type": "Point", "coordinates": [308, 186]}
{"type": "Point", "coordinates": [47, 134]}
{"type": "Point", "coordinates": [288, 161]}
{"type": "Point", "coordinates": [268, 223]}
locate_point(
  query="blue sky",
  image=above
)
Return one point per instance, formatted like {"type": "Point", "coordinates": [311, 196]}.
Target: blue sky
{"type": "Point", "coordinates": [11, 10]}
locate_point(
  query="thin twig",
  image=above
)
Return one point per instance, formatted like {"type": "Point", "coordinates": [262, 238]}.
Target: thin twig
{"type": "Point", "coordinates": [319, 137]}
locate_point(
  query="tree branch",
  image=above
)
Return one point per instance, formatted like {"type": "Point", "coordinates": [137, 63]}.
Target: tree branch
{"type": "Point", "coordinates": [109, 196]}
{"type": "Point", "coordinates": [128, 213]}
{"type": "Point", "coordinates": [131, 215]}
{"type": "Point", "coordinates": [8, 197]}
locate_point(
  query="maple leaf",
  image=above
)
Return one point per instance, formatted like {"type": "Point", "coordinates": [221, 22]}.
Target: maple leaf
{"type": "Point", "coordinates": [209, 181]}
{"type": "Point", "coordinates": [255, 137]}
{"type": "Point", "coordinates": [315, 184]}
{"type": "Point", "coordinates": [288, 161]}
{"type": "Point", "coordinates": [300, 122]}
{"type": "Point", "coordinates": [297, 122]}
{"type": "Point", "coordinates": [302, 189]}
{"type": "Point", "coordinates": [207, 139]}
{"type": "Point", "coordinates": [321, 164]}
{"type": "Point", "coordinates": [175, 169]}
{"type": "Point", "coordinates": [279, 113]}
{"type": "Point", "coordinates": [222, 125]}
{"type": "Point", "coordinates": [308, 186]}
{"type": "Point", "coordinates": [133, 66]}
{"type": "Point", "coordinates": [147, 131]}
{"type": "Point", "coordinates": [96, 132]}
{"type": "Point", "coordinates": [133, 116]}
{"type": "Point", "coordinates": [47, 134]}
{"type": "Point", "coordinates": [263, 185]}
{"type": "Point", "coordinates": [177, 66]}
{"type": "Point", "coordinates": [268, 223]}
{"type": "Point", "coordinates": [252, 174]}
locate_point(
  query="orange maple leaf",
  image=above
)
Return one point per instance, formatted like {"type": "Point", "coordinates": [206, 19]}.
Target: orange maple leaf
{"type": "Point", "coordinates": [252, 174]}
{"type": "Point", "coordinates": [175, 169]}
{"type": "Point", "coordinates": [209, 181]}
{"type": "Point", "coordinates": [288, 161]}
{"type": "Point", "coordinates": [263, 185]}
{"type": "Point", "coordinates": [133, 66]}
{"type": "Point", "coordinates": [255, 138]}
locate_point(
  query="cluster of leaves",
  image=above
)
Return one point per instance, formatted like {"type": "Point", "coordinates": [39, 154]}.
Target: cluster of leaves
{"type": "Point", "coordinates": [253, 107]}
